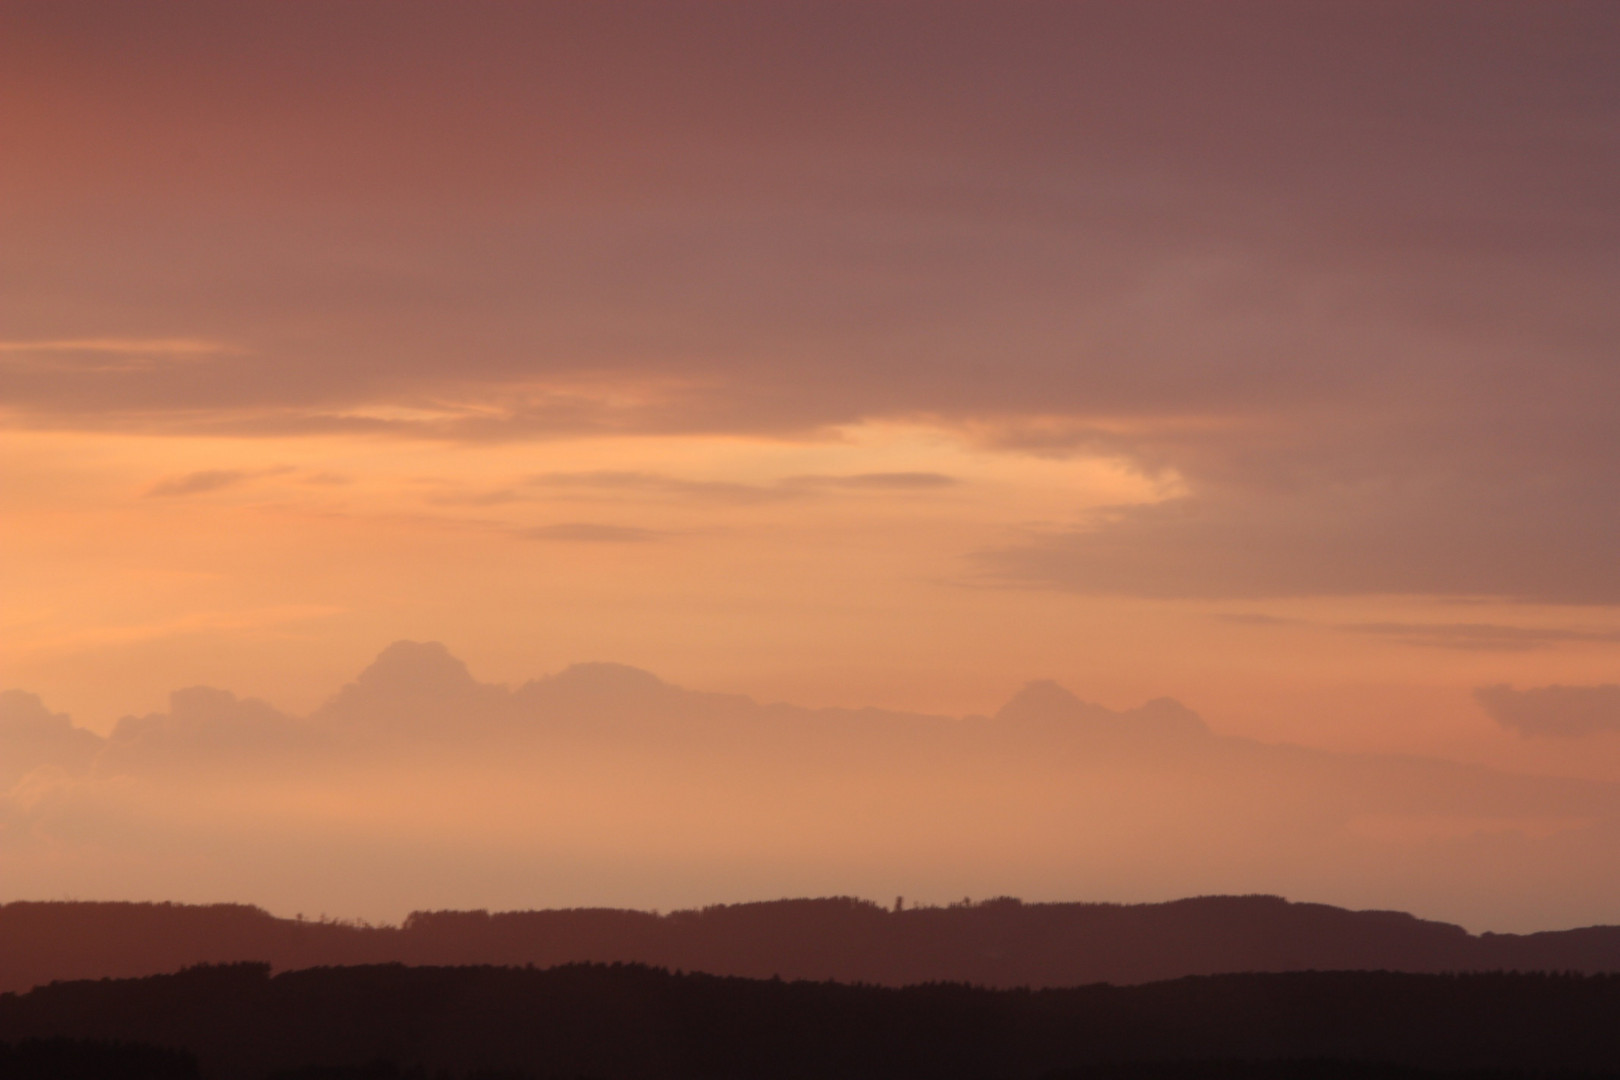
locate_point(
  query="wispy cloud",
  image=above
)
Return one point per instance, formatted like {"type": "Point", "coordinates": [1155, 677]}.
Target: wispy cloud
{"type": "Point", "coordinates": [1484, 637]}
{"type": "Point", "coordinates": [108, 355]}
{"type": "Point", "coordinates": [1250, 618]}
{"type": "Point", "coordinates": [1310, 535]}
{"type": "Point", "coordinates": [135, 346]}
{"type": "Point", "coordinates": [876, 481]}
{"type": "Point", "coordinates": [1473, 637]}
{"type": "Point", "coordinates": [584, 532]}
{"type": "Point", "coordinates": [197, 483]}
{"type": "Point", "coordinates": [792, 487]}
{"type": "Point", "coordinates": [497, 497]}
{"type": "Point", "coordinates": [49, 642]}
{"type": "Point", "coordinates": [658, 484]}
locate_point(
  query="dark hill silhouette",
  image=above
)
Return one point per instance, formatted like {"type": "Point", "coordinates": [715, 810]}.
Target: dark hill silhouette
{"type": "Point", "coordinates": [998, 943]}
{"type": "Point", "coordinates": [93, 1059]}
{"type": "Point", "coordinates": [631, 1021]}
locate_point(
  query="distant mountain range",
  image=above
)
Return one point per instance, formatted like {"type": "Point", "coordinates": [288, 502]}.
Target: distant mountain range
{"type": "Point", "coordinates": [416, 779]}
{"type": "Point", "coordinates": [998, 943]}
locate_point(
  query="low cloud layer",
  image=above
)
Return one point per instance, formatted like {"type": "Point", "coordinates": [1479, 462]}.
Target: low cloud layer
{"type": "Point", "coordinates": [1554, 711]}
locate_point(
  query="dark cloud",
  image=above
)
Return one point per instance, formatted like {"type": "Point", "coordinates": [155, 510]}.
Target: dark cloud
{"type": "Point", "coordinates": [1347, 269]}
{"type": "Point", "coordinates": [584, 532]}
{"type": "Point", "coordinates": [802, 215]}
{"type": "Point", "coordinates": [1295, 537]}
{"type": "Point", "coordinates": [1560, 711]}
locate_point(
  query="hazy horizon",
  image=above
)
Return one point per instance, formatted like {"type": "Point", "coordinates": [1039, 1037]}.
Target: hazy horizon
{"type": "Point", "coordinates": [415, 786]}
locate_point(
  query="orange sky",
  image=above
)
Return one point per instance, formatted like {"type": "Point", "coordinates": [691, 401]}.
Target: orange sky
{"type": "Point", "coordinates": [1257, 355]}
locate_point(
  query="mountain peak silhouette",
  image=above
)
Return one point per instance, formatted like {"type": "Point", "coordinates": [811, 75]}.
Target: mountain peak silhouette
{"type": "Point", "coordinates": [31, 735]}
{"type": "Point", "coordinates": [21, 711]}
{"type": "Point", "coordinates": [604, 696]}
{"type": "Point", "coordinates": [1171, 717]}
{"type": "Point", "coordinates": [200, 701]}
{"type": "Point", "coordinates": [609, 677]}
{"type": "Point", "coordinates": [193, 709]}
{"type": "Point", "coordinates": [1042, 699]}
{"type": "Point", "coordinates": [408, 679]}
{"type": "Point", "coordinates": [415, 668]}
{"type": "Point", "coordinates": [1046, 702]}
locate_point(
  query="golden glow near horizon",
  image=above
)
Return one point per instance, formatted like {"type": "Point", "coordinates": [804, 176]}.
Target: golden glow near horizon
{"type": "Point", "coordinates": [132, 542]}
{"type": "Point", "coordinates": [831, 570]}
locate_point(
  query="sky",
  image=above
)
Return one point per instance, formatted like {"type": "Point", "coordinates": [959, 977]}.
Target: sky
{"type": "Point", "coordinates": [1255, 355]}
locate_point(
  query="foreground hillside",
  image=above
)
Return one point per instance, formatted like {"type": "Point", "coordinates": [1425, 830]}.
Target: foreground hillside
{"type": "Point", "coordinates": [1000, 943]}
{"type": "Point", "coordinates": [628, 1021]}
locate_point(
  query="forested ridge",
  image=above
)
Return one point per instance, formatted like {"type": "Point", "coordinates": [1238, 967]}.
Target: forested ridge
{"type": "Point", "coordinates": [997, 943]}
{"type": "Point", "coordinates": [641, 1023]}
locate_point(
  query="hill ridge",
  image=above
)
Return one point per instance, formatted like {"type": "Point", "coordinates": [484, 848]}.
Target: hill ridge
{"type": "Point", "coordinates": [1002, 942]}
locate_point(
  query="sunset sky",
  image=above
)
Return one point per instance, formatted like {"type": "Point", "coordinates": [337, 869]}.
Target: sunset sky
{"type": "Point", "coordinates": [1257, 355]}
